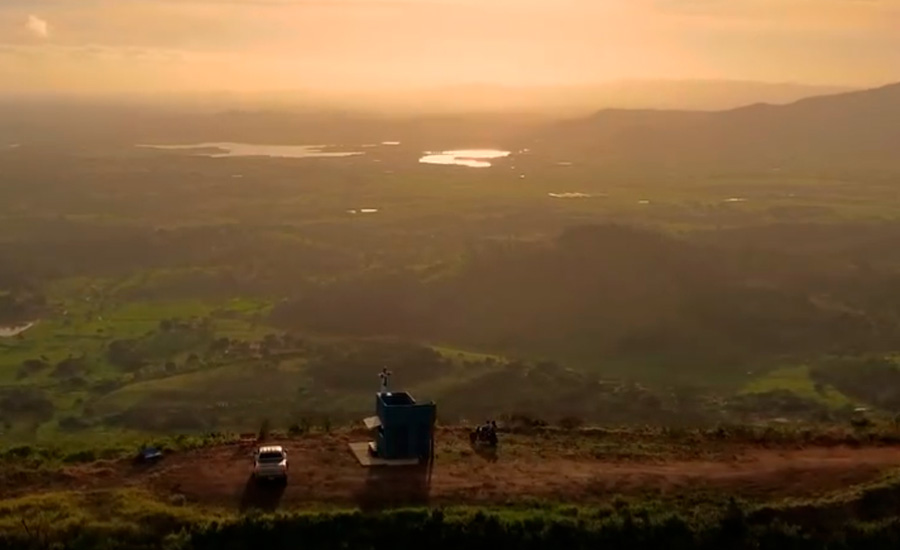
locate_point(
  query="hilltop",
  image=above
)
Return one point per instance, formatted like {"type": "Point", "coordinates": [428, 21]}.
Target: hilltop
{"type": "Point", "coordinates": [542, 487]}
{"type": "Point", "coordinates": [854, 127]}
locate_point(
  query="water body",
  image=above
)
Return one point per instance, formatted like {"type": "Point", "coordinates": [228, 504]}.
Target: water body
{"type": "Point", "coordinates": [227, 149]}
{"type": "Point", "coordinates": [10, 331]}
{"type": "Point", "coordinates": [569, 195]}
{"type": "Point", "coordinates": [472, 158]}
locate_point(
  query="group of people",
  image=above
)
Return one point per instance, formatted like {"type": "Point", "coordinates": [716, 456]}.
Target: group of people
{"type": "Point", "coordinates": [486, 433]}
{"type": "Point", "coordinates": [489, 428]}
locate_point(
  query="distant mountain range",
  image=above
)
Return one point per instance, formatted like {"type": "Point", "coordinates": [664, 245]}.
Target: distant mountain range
{"type": "Point", "coordinates": [853, 128]}
{"type": "Point", "coordinates": [860, 126]}
{"type": "Point", "coordinates": [704, 95]}
{"type": "Point", "coordinates": [574, 99]}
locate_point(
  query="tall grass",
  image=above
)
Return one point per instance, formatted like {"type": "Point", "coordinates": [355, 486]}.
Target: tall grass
{"type": "Point", "coordinates": [865, 517]}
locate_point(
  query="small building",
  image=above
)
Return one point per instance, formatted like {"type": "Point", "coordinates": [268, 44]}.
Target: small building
{"type": "Point", "coordinates": [403, 431]}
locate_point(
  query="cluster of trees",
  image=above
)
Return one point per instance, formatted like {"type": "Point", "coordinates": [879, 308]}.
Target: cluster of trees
{"type": "Point", "coordinates": [20, 300]}
{"type": "Point", "coordinates": [611, 292]}
{"type": "Point", "coordinates": [352, 366]}
{"type": "Point", "coordinates": [172, 338]}
{"type": "Point", "coordinates": [25, 404]}
{"type": "Point", "coordinates": [866, 379]}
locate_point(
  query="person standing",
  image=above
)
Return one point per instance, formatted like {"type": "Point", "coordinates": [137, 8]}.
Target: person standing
{"type": "Point", "coordinates": [384, 375]}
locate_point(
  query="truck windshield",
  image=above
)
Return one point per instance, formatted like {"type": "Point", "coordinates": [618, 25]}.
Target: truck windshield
{"type": "Point", "coordinates": [271, 457]}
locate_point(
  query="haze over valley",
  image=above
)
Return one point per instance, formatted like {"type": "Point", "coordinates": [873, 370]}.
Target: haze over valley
{"type": "Point", "coordinates": [655, 240]}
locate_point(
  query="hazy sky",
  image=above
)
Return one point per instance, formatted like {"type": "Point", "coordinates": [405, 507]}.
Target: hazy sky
{"type": "Point", "coordinates": [244, 45]}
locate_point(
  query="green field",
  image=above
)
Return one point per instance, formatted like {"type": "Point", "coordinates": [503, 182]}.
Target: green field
{"type": "Point", "coordinates": [676, 312]}
{"type": "Point", "coordinates": [172, 297]}
{"type": "Point", "coordinates": [797, 381]}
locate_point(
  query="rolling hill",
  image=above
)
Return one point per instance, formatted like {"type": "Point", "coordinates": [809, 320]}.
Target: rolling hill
{"type": "Point", "coordinates": [859, 127]}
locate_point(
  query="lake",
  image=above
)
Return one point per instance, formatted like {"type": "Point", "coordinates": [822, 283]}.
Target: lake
{"type": "Point", "coordinates": [472, 158]}
{"type": "Point", "coordinates": [569, 195]}
{"type": "Point", "coordinates": [227, 149]}
{"type": "Point", "coordinates": [10, 331]}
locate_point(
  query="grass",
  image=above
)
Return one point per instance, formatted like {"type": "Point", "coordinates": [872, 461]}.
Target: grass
{"type": "Point", "coordinates": [459, 354]}
{"type": "Point", "coordinates": [233, 386]}
{"type": "Point", "coordinates": [235, 381]}
{"type": "Point", "coordinates": [298, 210]}
{"type": "Point", "coordinates": [117, 510]}
{"type": "Point", "coordinates": [83, 323]}
{"type": "Point", "coordinates": [711, 520]}
{"type": "Point", "coordinates": [135, 505]}
{"type": "Point", "coordinates": [797, 381]}
{"type": "Point", "coordinates": [130, 508]}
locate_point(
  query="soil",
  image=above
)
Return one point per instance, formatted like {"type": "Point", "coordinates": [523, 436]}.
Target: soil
{"type": "Point", "coordinates": [323, 472]}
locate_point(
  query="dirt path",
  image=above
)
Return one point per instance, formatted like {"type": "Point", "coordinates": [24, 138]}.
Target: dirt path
{"type": "Point", "coordinates": [323, 471]}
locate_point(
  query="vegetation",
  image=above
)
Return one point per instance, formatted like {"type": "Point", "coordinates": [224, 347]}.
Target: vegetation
{"type": "Point", "coordinates": [175, 293]}
{"type": "Point", "coordinates": [177, 321]}
{"type": "Point", "coordinates": [705, 287]}
{"type": "Point", "coordinates": [126, 519]}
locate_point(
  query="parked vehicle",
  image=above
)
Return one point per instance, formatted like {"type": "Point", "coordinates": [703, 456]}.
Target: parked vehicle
{"type": "Point", "coordinates": [270, 463]}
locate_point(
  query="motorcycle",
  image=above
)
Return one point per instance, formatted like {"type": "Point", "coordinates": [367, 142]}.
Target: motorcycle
{"type": "Point", "coordinates": [483, 435]}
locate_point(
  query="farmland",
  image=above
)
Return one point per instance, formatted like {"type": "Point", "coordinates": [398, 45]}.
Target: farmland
{"type": "Point", "coordinates": [653, 337]}
{"type": "Point", "coordinates": [171, 296]}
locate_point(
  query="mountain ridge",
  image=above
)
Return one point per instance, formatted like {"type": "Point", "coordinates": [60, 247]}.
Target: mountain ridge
{"type": "Point", "coordinates": [847, 127]}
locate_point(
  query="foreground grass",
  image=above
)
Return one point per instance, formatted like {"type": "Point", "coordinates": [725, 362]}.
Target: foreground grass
{"type": "Point", "coordinates": [863, 517]}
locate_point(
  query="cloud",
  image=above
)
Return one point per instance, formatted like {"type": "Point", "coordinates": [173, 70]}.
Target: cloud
{"type": "Point", "coordinates": [37, 26]}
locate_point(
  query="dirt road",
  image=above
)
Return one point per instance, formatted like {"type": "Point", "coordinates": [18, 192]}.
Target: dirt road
{"type": "Point", "coordinates": [324, 472]}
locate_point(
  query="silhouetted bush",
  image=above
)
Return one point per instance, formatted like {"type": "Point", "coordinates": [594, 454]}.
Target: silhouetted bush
{"type": "Point", "coordinates": [571, 422]}
{"type": "Point", "coordinates": [622, 527]}
{"type": "Point", "coordinates": [26, 403]}
{"type": "Point", "coordinates": [73, 424]}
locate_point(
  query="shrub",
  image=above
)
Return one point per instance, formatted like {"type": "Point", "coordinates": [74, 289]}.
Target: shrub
{"type": "Point", "coordinates": [520, 421]}
{"type": "Point", "coordinates": [73, 424]}
{"type": "Point", "coordinates": [571, 422]}
{"type": "Point", "coordinates": [20, 452]}
{"type": "Point", "coordinates": [80, 457]}
{"type": "Point", "coordinates": [294, 430]}
{"type": "Point", "coordinates": [264, 430]}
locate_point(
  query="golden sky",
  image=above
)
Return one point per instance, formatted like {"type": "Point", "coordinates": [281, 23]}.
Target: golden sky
{"type": "Point", "coordinates": [261, 45]}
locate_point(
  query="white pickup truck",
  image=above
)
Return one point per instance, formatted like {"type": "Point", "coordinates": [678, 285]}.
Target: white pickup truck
{"type": "Point", "coordinates": [270, 463]}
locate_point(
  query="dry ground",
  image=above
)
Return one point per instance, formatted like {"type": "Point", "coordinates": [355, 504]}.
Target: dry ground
{"type": "Point", "coordinates": [561, 468]}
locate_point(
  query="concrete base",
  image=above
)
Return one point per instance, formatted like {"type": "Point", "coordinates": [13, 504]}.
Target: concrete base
{"type": "Point", "coordinates": [362, 452]}
{"type": "Point", "coordinates": [372, 422]}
